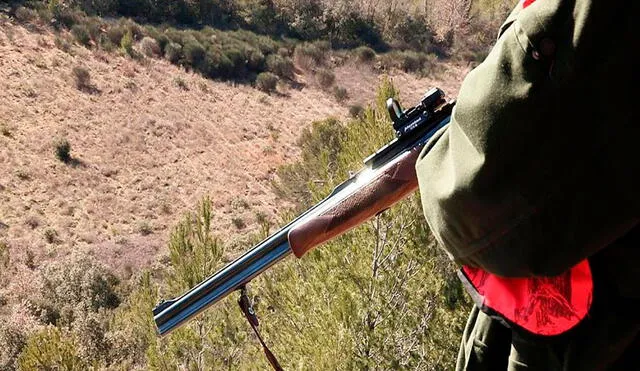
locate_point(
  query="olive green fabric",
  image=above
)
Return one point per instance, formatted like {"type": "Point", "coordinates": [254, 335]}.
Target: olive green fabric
{"type": "Point", "coordinates": [540, 169]}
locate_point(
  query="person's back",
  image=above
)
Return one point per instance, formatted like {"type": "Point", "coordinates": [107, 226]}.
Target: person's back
{"type": "Point", "coordinates": [539, 170]}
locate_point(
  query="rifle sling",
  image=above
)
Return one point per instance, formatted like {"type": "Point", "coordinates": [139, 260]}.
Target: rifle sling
{"type": "Point", "coordinates": [252, 318]}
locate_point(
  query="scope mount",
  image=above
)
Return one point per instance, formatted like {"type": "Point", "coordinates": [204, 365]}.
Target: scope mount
{"type": "Point", "coordinates": [406, 121]}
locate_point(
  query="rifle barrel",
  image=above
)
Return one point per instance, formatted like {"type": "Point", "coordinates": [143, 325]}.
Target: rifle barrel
{"type": "Point", "coordinates": [171, 314]}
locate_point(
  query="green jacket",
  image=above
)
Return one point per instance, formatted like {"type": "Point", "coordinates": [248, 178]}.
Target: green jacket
{"type": "Point", "coordinates": [540, 165]}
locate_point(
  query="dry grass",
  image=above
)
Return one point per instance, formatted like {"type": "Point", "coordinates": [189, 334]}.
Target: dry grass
{"type": "Point", "coordinates": [148, 153]}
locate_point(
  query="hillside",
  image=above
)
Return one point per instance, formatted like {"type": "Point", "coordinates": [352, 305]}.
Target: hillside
{"type": "Point", "coordinates": [150, 140]}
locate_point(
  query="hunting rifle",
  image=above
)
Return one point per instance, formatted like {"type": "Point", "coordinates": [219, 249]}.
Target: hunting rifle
{"type": "Point", "coordinates": [387, 177]}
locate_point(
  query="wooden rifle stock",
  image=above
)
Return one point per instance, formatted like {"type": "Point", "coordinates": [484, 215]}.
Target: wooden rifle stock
{"type": "Point", "coordinates": [381, 190]}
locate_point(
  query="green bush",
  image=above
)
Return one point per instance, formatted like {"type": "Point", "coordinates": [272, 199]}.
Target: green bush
{"type": "Point", "coordinates": [350, 28]}
{"type": "Point", "coordinates": [340, 94]}
{"type": "Point", "coordinates": [284, 52]}
{"type": "Point", "coordinates": [173, 52]}
{"type": "Point", "coordinates": [181, 83]}
{"type": "Point", "coordinates": [5, 130]}
{"type": "Point", "coordinates": [409, 32]}
{"type": "Point", "coordinates": [81, 34]}
{"type": "Point", "coordinates": [72, 287]}
{"type": "Point", "coordinates": [237, 58]}
{"type": "Point", "coordinates": [193, 52]}
{"type": "Point", "coordinates": [51, 349]}
{"type": "Point", "coordinates": [97, 7]}
{"type": "Point", "coordinates": [162, 41]}
{"type": "Point", "coordinates": [145, 229]}
{"type": "Point", "coordinates": [325, 78]}
{"type": "Point", "coordinates": [281, 66]}
{"type": "Point", "coordinates": [150, 47]}
{"type": "Point", "coordinates": [267, 82]}
{"type": "Point", "coordinates": [115, 34]}
{"type": "Point", "coordinates": [308, 56]}
{"type": "Point", "coordinates": [365, 54]}
{"type": "Point", "coordinates": [63, 150]}
{"type": "Point", "coordinates": [23, 14]}
{"type": "Point", "coordinates": [82, 77]}
{"type": "Point", "coordinates": [411, 61]}
{"type": "Point", "coordinates": [94, 27]}
{"type": "Point", "coordinates": [13, 338]}
{"type": "Point", "coordinates": [304, 18]}
{"type": "Point", "coordinates": [5, 255]}
{"type": "Point", "coordinates": [259, 15]}
{"type": "Point", "coordinates": [51, 236]}
{"type": "Point", "coordinates": [239, 223]}
{"type": "Point", "coordinates": [127, 43]}
{"type": "Point", "coordinates": [255, 60]}
{"type": "Point", "coordinates": [66, 16]}
{"type": "Point", "coordinates": [356, 111]}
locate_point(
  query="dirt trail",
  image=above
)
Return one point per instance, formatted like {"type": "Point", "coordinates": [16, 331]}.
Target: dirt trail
{"type": "Point", "coordinates": [147, 149]}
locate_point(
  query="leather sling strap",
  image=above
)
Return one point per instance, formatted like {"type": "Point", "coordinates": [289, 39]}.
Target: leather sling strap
{"type": "Point", "coordinates": [252, 318]}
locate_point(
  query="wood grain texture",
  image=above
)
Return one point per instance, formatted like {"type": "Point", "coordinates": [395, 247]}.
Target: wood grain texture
{"type": "Point", "coordinates": [393, 183]}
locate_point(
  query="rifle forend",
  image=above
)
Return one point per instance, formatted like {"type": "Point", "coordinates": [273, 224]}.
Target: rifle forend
{"type": "Point", "coordinates": [387, 177]}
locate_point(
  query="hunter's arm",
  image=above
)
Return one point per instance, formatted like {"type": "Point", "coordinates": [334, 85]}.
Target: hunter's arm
{"type": "Point", "coordinates": [538, 169]}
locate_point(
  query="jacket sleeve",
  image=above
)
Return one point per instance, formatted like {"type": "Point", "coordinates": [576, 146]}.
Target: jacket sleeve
{"type": "Point", "coordinates": [509, 185]}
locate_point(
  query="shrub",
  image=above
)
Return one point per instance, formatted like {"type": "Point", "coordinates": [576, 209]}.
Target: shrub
{"type": "Point", "coordinates": [72, 287]}
{"type": "Point", "coordinates": [127, 43]}
{"type": "Point", "coordinates": [408, 61]}
{"type": "Point", "coordinates": [325, 78]}
{"type": "Point", "coordinates": [162, 41]}
{"type": "Point", "coordinates": [365, 54]}
{"type": "Point", "coordinates": [259, 15]}
{"type": "Point", "coordinates": [409, 32]}
{"type": "Point", "coordinates": [94, 27]}
{"type": "Point", "coordinates": [66, 16]}
{"type": "Point", "coordinates": [51, 349]}
{"type": "Point", "coordinates": [82, 77]}
{"type": "Point", "coordinates": [13, 338]}
{"type": "Point", "coordinates": [5, 130]}
{"type": "Point", "coordinates": [115, 34]}
{"type": "Point", "coordinates": [411, 61]}
{"type": "Point", "coordinates": [130, 26]}
{"type": "Point", "coordinates": [51, 235]}
{"type": "Point", "coordinates": [63, 150]}
{"type": "Point", "coordinates": [194, 250]}
{"type": "Point", "coordinates": [281, 66]}
{"type": "Point", "coordinates": [193, 52]}
{"type": "Point", "coordinates": [181, 83]}
{"type": "Point", "coordinates": [24, 14]}
{"type": "Point", "coordinates": [267, 82]}
{"type": "Point", "coordinates": [5, 255]}
{"type": "Point", "coordinates": [173, 52]}
{"type": "Point", "coordinates": [81, 34]}
{"type": "Point", "coordinates": [237, 58]}
{"type": "Point", "coordinates": [30, 259]}
{"type": "Point", "coordinates": [308, 56]}
{"type": "Point", "coordinates": [238, 223]}
{"type": "Point", "coordinates": [255, 60]}
{"type": "Point", "coordinates": [340, 93]}
{"type": "Point", "coordinates": [149, 47]}
{"type": "Point", "coordinates": [22, 174]}
{"type": "Point", "coordinates": [45, 15]}
{"type": "Point", "coordinates": [62, 44]}
{"type": "Point", "coordinates": [356, 111]}
{"type": "Point", "coordinates": [284, 52]}
{"type": "Point", "coordinates": [351, 28]}
{"type": "Point", "coordinates": [145, 229]}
